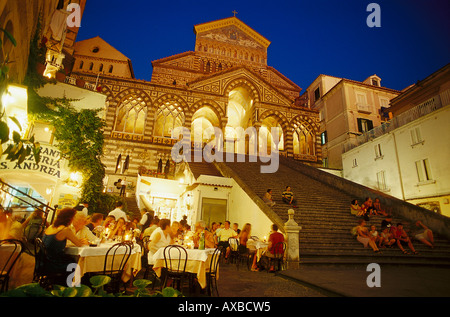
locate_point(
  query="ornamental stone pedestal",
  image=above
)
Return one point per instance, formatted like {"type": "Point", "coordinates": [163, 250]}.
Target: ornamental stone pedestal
{"type": "Point", "coordinates": [292, 230]}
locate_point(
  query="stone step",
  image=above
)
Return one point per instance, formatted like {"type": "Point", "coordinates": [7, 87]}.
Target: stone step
{"type": "Point", "coordinates": [323, 212]}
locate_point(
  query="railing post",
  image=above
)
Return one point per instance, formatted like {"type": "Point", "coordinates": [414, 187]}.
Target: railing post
{"type": "Point", "coordinates": [292, 230]}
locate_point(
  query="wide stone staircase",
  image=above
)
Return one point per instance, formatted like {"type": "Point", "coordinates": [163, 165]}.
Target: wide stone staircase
{"type": "Point", "coordinates": [324, 214]}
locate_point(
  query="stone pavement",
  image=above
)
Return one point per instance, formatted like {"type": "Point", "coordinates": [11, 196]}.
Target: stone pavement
{"type": "Point", "coordinates": [336, 281]}
{"type": "Point", "coordinates": [395, 280]}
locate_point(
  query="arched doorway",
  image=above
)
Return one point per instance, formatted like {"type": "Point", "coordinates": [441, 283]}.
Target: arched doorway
{"type": "Point", "coordinates": [204, 121]}
{"type": "Point", "coordinates": [239, 113]}
{"type": "Point", "coordinates": [304, 138]}
{"type": "Point", "coordinates": [265, 134]}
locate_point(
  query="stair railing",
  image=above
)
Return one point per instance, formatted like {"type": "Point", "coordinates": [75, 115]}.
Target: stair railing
{"type": "Point", "coordinates": [10, 190]}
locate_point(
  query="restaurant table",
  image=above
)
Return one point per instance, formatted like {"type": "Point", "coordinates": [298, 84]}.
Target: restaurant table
{"type": "Point", "coordinates": [259, 246]}
{"type": "Point", "coordinates": [198, 263]}
{"type": "Point", "coordinates": [92, 259]}
{"type": "Point", "coordinates": [23, 270]}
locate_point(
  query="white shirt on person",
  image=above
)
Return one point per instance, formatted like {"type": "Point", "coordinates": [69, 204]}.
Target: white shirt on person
{"type": "Point", "coordinates": [225, 234]}
{"type": "Point", "coordinates": [83, 233]}
{"type": "Point", "coordinates": [164, 241]}
{"type": "Point", "coordinates": [118, 213]}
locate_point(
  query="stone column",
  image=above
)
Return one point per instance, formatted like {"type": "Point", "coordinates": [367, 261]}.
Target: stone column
{"type": "Point", "coordinates": [292, 230]}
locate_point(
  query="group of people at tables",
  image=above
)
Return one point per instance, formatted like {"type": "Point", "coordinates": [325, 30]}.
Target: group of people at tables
{"type": "Point", "coordinates": [162, 233]}
{"type": "Point", "coordinates": [390, 234]}
{"type": "Point", "coordinates": [72, 227]}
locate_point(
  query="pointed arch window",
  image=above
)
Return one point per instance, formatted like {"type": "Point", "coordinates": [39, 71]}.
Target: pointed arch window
{"type": "Point", "coordinates": [131, 115]}
{"type": "Point", "coordinates": [168, 117]}
{"type": "Point", "coordinates": [303, 140]}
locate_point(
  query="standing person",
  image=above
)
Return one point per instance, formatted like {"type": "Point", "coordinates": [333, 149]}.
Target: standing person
{"type": "Point", "coordinates": [288, 197]}
{"type": "Point", "coordinates": [83, 206]}
{"type": "Point", "coordinates": [118, 212]}
{"type": "Point", "coordinates": [146, 219]}
{"type": "Point", "coordinates": [123, 187]}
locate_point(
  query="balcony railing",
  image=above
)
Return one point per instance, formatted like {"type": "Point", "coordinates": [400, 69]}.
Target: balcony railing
{"type": "Point", "coordinates": [406, 117]}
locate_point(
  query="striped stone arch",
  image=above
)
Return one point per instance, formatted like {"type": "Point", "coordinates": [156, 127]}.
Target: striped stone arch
{"type": "Point", "coordinates": [268, 113]}
{"type": "Point", "coordinates": [160, 101]}
{"type": "Point", "coordinates": [116, 101]}
{"type": "Point", "coordinates": [211, 104]}
{"type": "Point", "coordinates": [168, 97]}
{"type": "Point", "coordinates": [239, 82]}
{"type": "Point", "coordinates": [306, 121]}
{"type": "Point", "coordinates": [133, 91]}
{"type": "Point", "coordinates": [311, 126]}
{"type": "Point", "coordinates": [108, 93]}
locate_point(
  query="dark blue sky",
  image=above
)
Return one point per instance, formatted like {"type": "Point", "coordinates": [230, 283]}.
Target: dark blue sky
{"type": "Point", "coordinates": [308, 37]}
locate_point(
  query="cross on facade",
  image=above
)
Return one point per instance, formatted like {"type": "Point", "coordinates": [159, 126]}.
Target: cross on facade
{"type": "Point", "coordinates": [234, 12]}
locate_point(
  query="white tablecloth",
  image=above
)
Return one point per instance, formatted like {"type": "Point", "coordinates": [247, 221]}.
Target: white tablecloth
{"type": "Point", "coordinates": [92, 259]}
{"type": "Point", "coordinates": [23, 270]}
{"type": "Point", "coordinates": [193, 254]}
{"type": "Point", "coordinates": [198, 262]}
{"type": "Point", "coordinates": [98, 250]}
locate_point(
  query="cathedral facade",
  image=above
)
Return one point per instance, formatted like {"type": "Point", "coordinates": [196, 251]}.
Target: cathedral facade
{"type": "Point", "coordinates": [224, 83]}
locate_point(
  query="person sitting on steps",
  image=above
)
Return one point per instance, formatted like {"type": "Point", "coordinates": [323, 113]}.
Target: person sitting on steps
{"type": "Point", "coordinates": [288, 197]}
{"type": "Point", "coordinates": [402, 239]}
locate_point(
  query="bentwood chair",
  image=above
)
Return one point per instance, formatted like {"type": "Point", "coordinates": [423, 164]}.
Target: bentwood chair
{"type": "Point", "coordinates": [115, 260]}
{"type": "Point", "coordinates": [276, 257]}
{"type": "Point", "coordinates": [211, 274]}
{"type": "Point", "coordinates": [175, 259]}
{"type": "Point", "coordinates": [234, 250]}
{"type": "Point", "coordinates": [34, 231]}
{"type": "Point", "coordinates": [148, 268]}
{"type": "Point", "coordinates": [245, 256]}
{"type": "Point", "coordinates": [10, 251]}
{"type": "Point", "coordinates": [44, 272]}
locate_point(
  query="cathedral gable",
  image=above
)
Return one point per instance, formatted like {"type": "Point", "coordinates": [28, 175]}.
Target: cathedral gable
{"type": "Point", "coordinates": [231, 35]}
{"type": "Point", "coordinates": [221, 84]}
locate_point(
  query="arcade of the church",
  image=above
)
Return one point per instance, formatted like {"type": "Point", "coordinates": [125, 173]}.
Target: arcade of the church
{"type": "Point", "coordinates": [224, 83]}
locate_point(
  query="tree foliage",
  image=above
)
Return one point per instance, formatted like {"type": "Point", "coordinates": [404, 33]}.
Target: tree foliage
{"type": "Point", "coordinates": [18, 148]}
{"type": "Point", "coordinates": [80, 140]}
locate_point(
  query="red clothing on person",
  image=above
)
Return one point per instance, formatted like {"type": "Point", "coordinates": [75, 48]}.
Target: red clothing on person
{"type": "Point", "coordinates": [275, 238]}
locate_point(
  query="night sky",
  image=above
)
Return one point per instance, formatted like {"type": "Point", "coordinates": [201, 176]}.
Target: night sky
{"type": "Point", "coordinates": [308, 37]}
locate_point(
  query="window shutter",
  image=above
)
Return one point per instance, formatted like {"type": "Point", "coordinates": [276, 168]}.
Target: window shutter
{"type": "Point", "coordinates": [360, 129]}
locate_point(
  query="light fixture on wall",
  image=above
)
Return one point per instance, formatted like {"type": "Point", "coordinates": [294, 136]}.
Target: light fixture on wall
{"type": "Point", "coordinates": [15, 104]}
